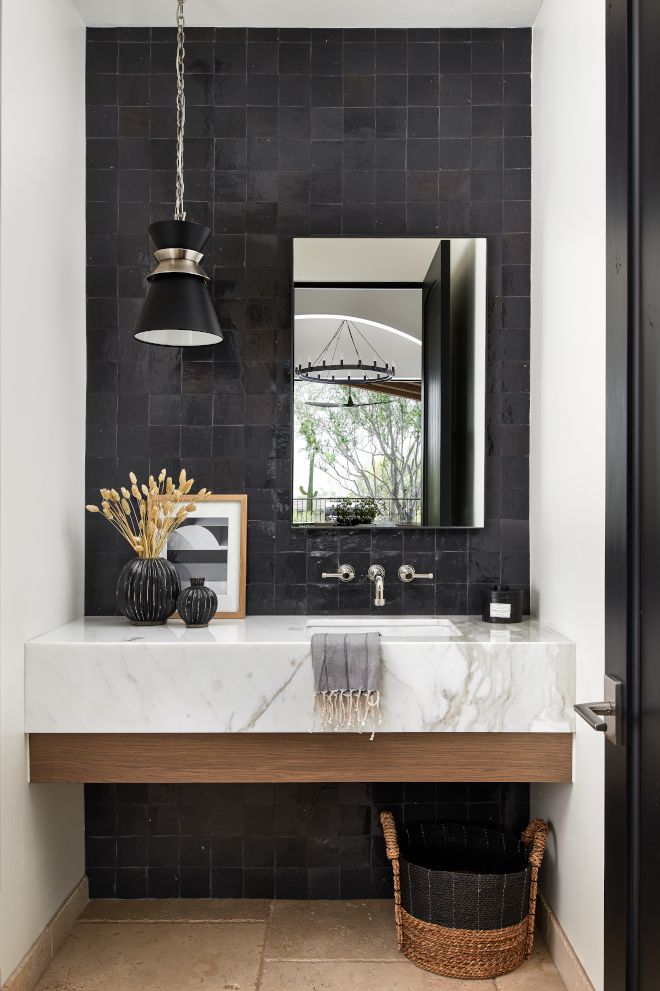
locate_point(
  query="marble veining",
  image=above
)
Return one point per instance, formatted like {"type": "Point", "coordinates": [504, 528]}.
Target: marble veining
{"type": "Point", "coordinates": [101, 675]}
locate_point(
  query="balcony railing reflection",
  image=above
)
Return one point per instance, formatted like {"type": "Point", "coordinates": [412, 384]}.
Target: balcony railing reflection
{"type": "Point", "coordinates": [323, 511]}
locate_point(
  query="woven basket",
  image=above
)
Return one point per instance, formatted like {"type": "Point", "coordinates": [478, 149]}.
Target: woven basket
{"type": "Point", "coordinates": [465, 897]}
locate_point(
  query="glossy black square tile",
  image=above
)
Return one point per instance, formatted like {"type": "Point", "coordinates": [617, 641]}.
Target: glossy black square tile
{"type": "Point", "coordinates": [131, 882]}
{"type": "Point", "coordinates": [392, 91]}
{"type": "Point", "coordinates": [487, 56]}
{"type": "Point", "coordinates": [423, 57]}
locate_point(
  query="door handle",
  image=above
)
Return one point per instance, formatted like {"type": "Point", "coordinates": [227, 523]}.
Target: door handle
{"type": "Point", "coordinates": [606, 716]}
{"type": "Point", "coordinates": [592, 712]}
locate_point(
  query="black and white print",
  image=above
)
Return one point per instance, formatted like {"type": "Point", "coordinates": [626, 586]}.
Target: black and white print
{"type": "Point", "coordinates": [211, 545]}
{"type": "Point", "coordinates": [200, 549]}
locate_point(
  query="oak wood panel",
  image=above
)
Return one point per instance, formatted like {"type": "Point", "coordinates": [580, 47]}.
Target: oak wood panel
{"type": "Point", "coordinates": [270, 757]}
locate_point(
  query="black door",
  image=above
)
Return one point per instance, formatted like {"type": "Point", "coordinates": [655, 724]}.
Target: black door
{"type": "Point", "coordinates": [632, 772]}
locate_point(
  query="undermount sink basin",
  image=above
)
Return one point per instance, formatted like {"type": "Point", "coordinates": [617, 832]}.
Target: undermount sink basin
{"type": "Point", "coordinates": [390, 627]}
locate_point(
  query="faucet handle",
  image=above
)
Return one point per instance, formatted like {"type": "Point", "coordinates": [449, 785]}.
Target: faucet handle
{"type": "Point", "coordinates": [346, 573]}
{"type": "Point", "coordinates": [408, 574]}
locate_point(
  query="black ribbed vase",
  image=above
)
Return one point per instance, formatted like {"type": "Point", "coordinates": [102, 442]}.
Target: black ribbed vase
{"type": "Point", "coordinates": [197, 604]}
{"type": "Point", "coordinates": [147, 590]}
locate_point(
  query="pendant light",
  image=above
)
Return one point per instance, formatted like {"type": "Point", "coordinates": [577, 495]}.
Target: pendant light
{"type": "Point", "coordinates": [178, 310]}
{"type": "Point", "coordinates": [366, 367]}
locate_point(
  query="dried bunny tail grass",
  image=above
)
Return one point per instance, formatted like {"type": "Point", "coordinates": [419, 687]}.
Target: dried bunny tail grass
{"type": "Point", "coordinates": [146, 515]}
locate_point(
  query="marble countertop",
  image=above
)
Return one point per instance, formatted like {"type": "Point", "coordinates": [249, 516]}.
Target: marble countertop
{"type": "Point", "coordinates": [102, 675]}
{"type": "Point", "coordinates": [93, 630]}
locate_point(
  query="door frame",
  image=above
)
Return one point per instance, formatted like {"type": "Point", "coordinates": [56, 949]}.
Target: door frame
{"type": "Point", "coordinates": [632, 536]}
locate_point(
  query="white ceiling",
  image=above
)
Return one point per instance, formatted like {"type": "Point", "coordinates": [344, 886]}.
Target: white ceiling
{"type": "Point", "coordinates": [362, 259]}
{"type": "Point", "coordinates": [312, 13]}
{"type": "Point", "coordinates": [393, 309]}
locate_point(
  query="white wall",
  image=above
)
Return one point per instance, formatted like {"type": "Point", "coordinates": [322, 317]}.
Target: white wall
{"type": "Point", "coordinates": [42, 416]}
{"type": "Point", "coordinates": [567, 485]}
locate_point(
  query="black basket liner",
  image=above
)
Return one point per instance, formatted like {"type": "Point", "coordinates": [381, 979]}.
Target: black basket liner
{"type": "Point", "coordinates": [464, 877]}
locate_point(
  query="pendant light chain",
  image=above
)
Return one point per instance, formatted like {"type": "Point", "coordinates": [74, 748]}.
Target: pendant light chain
{"type": "Point", "coordinates": [179, 212]}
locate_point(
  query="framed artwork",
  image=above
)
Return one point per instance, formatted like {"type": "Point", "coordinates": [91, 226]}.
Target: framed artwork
{"type": "Point", "coordinates": [211, 544]}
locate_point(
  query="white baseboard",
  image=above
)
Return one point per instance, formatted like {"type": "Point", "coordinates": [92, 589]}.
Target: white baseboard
{"type": "Point", "coordinates": [565, 959]}
{"type": "Point", "coordinates": [48, 942]}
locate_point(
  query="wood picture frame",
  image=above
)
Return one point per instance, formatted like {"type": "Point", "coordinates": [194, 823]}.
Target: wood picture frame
{"type": "Point", "coordinates": [236, 547]}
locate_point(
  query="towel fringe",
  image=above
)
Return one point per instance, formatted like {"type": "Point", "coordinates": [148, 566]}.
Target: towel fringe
{"type": "Point", "coordinates": [348, 709]}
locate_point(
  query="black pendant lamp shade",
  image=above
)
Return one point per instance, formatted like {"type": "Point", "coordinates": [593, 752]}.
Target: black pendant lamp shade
{"type": "Point", "coordinates": [178, 310]}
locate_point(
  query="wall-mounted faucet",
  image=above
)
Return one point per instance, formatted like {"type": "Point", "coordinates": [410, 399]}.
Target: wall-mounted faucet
{"type": "Point", "coordinates": [376, 574]}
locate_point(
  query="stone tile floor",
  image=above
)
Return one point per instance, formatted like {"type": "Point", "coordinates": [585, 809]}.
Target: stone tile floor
{"type": "Point", "coordinates": [250, 945]}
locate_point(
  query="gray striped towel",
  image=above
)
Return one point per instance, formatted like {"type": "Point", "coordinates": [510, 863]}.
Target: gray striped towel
{"type": "Point", "coordinates": [347, 679]}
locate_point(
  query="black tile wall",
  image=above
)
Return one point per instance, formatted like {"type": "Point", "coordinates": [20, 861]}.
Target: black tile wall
{"type": "Point", "coordinates": [293, 133]}
{"type": "Point", "coordinates": [265, 841]}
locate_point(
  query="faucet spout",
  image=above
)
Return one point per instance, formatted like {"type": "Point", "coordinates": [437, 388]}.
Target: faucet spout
{"type": "Point", "coordinates": [376, 574]}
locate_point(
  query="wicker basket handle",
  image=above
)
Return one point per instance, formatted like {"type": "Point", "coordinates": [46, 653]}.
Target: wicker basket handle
{"type": "Point", "coordinates": [536, 836]}
{"type": "Point", "coordinates": [392, 851]}
{"type": "Point", "coordinates": [389, 832]}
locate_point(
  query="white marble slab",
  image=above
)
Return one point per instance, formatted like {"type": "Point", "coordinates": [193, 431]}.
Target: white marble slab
{"type": "Point", "coordinates": [102, 675]}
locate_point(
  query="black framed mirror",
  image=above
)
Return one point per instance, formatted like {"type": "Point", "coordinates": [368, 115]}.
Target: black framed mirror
{"type": "Point", "coordinates": [389, 359]}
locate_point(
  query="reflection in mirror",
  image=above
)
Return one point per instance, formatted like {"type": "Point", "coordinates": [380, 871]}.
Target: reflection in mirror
{"type": "Point", "coordinates": [389, 381]}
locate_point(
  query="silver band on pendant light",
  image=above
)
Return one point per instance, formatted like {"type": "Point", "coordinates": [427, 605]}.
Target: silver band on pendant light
{"type": "Point", "coordinates": [178, 310]}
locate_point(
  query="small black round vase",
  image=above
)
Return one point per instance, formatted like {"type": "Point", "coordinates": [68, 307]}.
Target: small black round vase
{"type": "Point", "coordinates": [147, 590]}
{"type": "Point", "coordinates": [197, 604]}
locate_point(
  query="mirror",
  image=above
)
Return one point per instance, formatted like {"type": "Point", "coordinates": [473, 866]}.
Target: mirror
{"type": "Point", "coordinates": [389, 358]}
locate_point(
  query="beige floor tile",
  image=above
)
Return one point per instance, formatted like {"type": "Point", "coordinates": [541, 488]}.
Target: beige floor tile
{"type": "Point", "coordinates": [283, 975]}
{"type": "Point", "coordinates": [176, 910]}
{"type": "Point", "coordinates": [164, 957]}
{"type": "Point", "coordinates": [536, 974]}
{"type": "Point", "coordinates": [332, 930]}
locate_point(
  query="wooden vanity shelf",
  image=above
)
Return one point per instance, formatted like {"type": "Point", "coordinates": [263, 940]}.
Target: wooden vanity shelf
{"type": "Point", "coordinates": [272, 757]}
